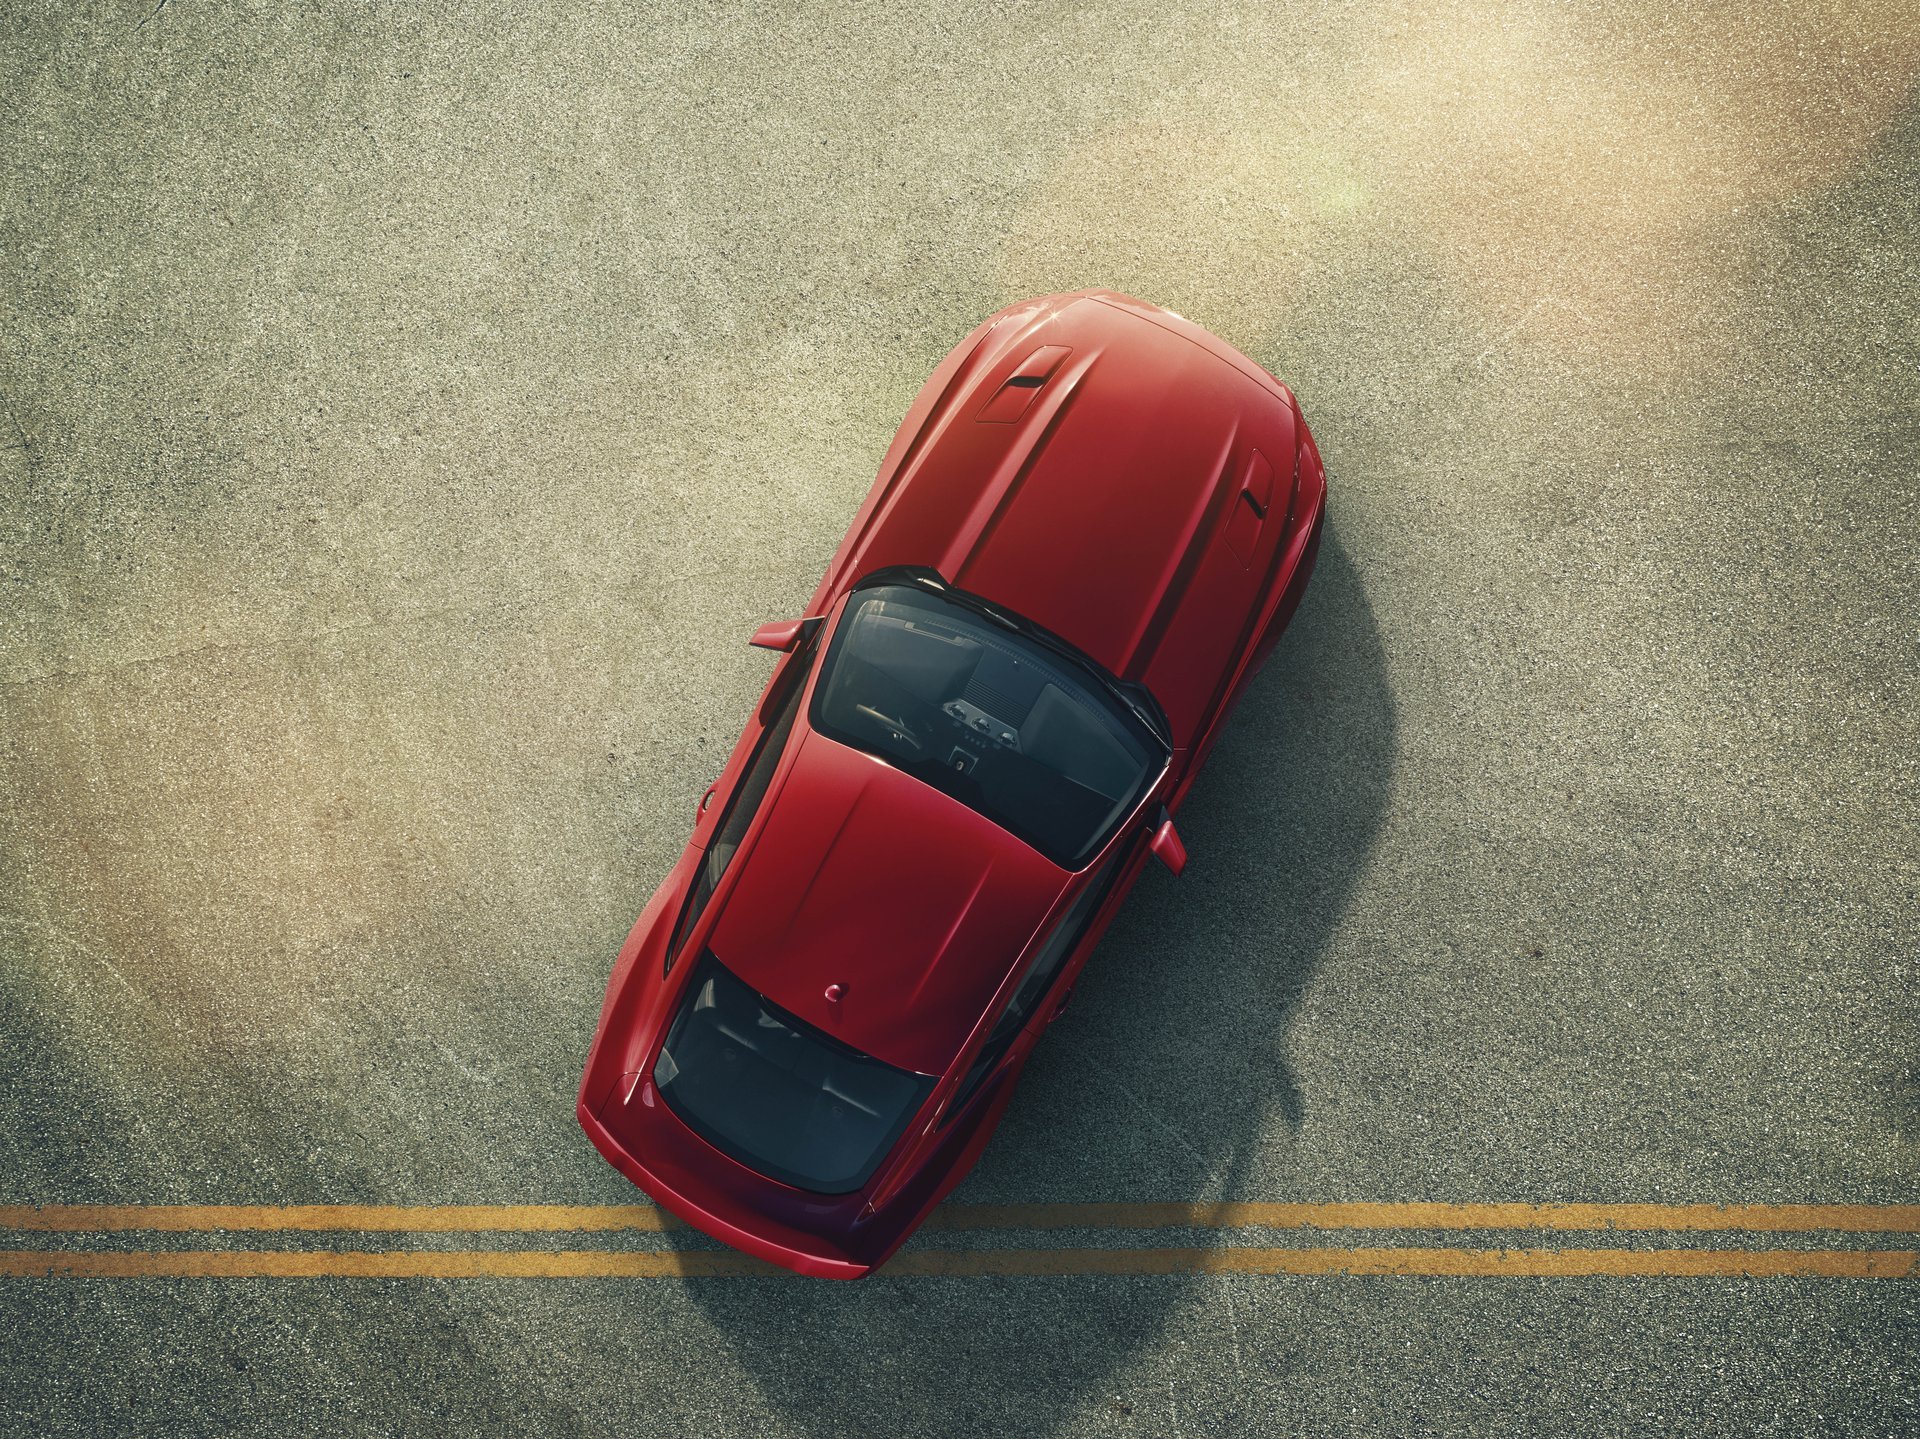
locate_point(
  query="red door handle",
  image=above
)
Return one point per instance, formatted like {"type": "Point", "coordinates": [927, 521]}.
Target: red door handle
{"type": "Point", "coordinates": [707, 798]}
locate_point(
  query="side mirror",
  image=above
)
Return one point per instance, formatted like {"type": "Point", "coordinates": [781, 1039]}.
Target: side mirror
{"type": "Point", "coordinates": [1166, 845]}
{"type": "Point", "coordinates": [778, 634]}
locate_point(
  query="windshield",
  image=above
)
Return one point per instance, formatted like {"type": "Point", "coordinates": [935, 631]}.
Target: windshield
{"type": "Point", "coordinates": [777, 1094]}
{"type": "Point", "coordinates": [1026, 735]}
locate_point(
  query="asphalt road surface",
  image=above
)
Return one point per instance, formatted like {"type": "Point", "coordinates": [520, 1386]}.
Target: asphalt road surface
{"type": "Point", "coordinates": [408, 413]}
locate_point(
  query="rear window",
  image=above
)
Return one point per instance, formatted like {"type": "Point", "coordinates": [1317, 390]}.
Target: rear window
{"type": "Point", "coordinates": [777, 1094]}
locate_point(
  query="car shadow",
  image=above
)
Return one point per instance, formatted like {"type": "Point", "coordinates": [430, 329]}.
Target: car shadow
{"type": "Point", "coordinates": [1168, 1080]}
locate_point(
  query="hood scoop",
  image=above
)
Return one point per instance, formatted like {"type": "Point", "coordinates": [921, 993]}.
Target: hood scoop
{"type": "Point", "coordinates": [1016, 392]}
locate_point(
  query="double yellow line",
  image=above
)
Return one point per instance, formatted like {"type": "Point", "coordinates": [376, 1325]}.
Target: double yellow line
{"type": "Point", "coordinates": [1662, 1262]}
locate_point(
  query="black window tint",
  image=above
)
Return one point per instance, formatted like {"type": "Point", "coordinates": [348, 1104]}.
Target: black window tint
{"type": "Point", "coordinates": [1031, 738]}
{"type": "Point", "coordinates": [783, 1098]}
{"type": "Point", "coordinates": [745, 801]}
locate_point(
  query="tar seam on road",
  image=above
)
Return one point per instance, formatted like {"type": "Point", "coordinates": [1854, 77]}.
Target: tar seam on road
{"type": "Point", "coordinates": [648, 1264]}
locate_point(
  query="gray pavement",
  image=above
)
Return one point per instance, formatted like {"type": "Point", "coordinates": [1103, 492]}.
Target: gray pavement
{"type": "Point", "coordinates": [408, 412]}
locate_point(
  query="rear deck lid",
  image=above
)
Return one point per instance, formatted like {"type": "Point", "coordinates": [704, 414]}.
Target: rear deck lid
{"type": "Point", "coordinates": [911, 904]}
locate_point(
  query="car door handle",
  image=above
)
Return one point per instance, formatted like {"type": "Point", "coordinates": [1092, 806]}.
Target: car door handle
{"type": "Point", "coordinates": [1061, 1008]}
{"type": "Point", "coordinates": [707, 798]}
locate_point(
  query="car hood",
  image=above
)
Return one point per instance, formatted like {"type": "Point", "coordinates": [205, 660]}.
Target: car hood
{"type": "Point", "coordinates": [914, 905]}
{"type": "Point", "coordinates": [1083, 465]}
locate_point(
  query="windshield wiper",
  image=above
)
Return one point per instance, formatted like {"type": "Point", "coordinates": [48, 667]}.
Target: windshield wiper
{"type": "Point", "coordinates": [1142, 704]}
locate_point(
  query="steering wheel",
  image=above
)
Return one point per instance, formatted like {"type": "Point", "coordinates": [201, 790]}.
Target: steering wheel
{"type": "Point", "coordinates": [896, 727]}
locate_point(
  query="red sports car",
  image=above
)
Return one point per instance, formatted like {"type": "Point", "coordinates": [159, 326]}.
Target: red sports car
{"type": "Point", "coordinates": [1088, 534]}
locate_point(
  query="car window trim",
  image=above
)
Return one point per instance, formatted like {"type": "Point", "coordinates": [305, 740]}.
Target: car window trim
{"type": "Point", "coordinates": [785, 696]}
{"type": "Point", "coordinates": [1131, 696]}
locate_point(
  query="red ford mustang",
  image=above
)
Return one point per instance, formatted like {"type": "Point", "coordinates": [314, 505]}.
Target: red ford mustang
{"type": "Point", "coordinates": [1089, 533]}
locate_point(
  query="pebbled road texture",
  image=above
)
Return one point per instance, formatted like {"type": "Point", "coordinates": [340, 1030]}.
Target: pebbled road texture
{"type": "Point", "coordinates": [407, 411]}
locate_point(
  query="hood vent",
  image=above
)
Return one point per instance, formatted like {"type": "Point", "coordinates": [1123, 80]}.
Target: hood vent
{"type": "Point", "coordinates": [1016, 392]}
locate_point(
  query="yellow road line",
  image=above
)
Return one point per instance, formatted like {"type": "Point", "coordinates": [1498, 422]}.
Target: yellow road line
{"type": "Point", "coordinates": [1756, 1218]}
{"type": "Point", "coordinates": [365, 1218]}
{"type": "Point", "coordinates": [535, 1218]}
{"type": "Point", "coordinates": [657, 1264]}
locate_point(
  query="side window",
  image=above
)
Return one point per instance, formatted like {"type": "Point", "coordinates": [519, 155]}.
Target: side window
{"type": "Point", "coordinates": [745, 801]}
{"type": "Point", "coordinates": [1038, 979]}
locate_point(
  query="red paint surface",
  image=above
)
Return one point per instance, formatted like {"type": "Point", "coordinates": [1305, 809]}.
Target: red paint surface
{"type": "Point", "coordinates": [1112, 473]}
{"type": "Point", "coordinates": [863, 874]}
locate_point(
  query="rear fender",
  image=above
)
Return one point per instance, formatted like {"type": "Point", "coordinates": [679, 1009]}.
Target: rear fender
{"type": "Point", "coordinates": [637, 988]}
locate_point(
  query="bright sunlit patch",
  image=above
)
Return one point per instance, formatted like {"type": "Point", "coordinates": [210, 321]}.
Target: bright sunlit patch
{"type": "Point", "coordinates": [1344, 196]}
{"type": "Point", "coordinates": [1521, 152]}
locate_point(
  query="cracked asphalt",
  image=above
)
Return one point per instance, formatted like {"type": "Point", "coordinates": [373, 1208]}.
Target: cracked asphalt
{"type": "Point", "coordinates": [406, 412]}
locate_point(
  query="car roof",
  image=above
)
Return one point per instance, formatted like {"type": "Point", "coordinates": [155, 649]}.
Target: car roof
{"type": "Point", "coordinates": [1083, 465]}
{"type": "Point", "coordinates": [912, 903]}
